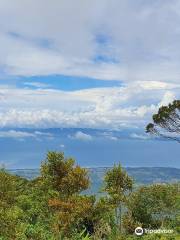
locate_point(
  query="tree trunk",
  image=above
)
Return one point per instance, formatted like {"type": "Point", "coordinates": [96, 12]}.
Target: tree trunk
{"type": "Point", "coordinates": [120, 218]}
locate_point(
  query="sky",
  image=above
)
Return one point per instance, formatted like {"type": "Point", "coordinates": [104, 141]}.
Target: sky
{"type": "Point", "coordinates": [104, 65]}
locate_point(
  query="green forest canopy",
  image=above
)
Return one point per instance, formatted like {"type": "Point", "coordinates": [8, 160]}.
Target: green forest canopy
{"type": "Point", "coordinates": [53, 206]}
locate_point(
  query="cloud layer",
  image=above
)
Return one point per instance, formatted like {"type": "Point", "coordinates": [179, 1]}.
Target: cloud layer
{"type": "Point", "coordinates": [134, 42]}
{"type": "Point", "coordinates": [122, 40]}
{"type": "Point", "coordinates": [114, 108]}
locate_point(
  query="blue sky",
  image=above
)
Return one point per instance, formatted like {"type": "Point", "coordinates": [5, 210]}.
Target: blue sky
{"type": "Point", "coordinates": [104, 65]}
{"type": "Point", "coordinates": [65, 83]}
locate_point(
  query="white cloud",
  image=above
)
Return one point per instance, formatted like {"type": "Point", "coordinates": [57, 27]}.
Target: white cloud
{"type": "Point", "coordinates": [46, 134]}
{"type": "Point", "coordinates": [62, 146]}
{"type": "Point", "coordinates": [114, 108]}
{"type": "Point", "coordinates": [167, 98]}
{"type": "Point", "coordinates": [138, 40]}
{"type": "Point", "coordinates": [109, 135]}
{"type": "Point", "coordinates": [156, 85]}
{"type": "Point", "coordinates": [81, 136]}
{"type": "Point", "coordinates": [16, 134]}
{"type": "Point", "coordinates": [37, 84]}
{"type": "Point", "coordinates": [20, 135]}
{"type": "Point", "coordinates": [143, 38]}
{"type": "Point", "coordinates": [139, 136]}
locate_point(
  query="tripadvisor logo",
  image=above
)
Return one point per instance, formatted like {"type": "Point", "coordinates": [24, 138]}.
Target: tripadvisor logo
{"type": "Point", "coordinates": [139, 231]}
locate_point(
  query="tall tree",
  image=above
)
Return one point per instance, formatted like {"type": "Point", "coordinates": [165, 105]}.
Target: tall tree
{"type": "Point", "coordinates": [166, 123]}
{"type": "Point", "coordinates": [63, 175]}
{"type": "Point", "coordinates": [117, 185]}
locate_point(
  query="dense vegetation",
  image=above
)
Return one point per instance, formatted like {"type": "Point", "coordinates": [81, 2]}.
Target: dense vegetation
{"type": "Point", "coordinates": [53, 206]}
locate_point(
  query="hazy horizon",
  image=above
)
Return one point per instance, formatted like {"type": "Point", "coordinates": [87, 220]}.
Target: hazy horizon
{"type": "Point", "coordinates": [90, 147]}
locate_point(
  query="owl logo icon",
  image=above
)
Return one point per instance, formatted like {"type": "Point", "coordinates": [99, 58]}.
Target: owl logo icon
{"type": "Point", "coordinates": [139, 231]}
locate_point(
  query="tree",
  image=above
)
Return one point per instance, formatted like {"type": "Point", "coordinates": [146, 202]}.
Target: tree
{"type": "Point", "coordinates": [153, 206]}
{"type": "Point", "coordinates": [166, 123]}
{"type": "Point", "coordinates": [10, 214]}
{"type": "Point", "coordinates": [70, 213]}
{"type": "Point", "coordinates": [117, 185]}
{"type": "Point", "coordinates": [63, 175]}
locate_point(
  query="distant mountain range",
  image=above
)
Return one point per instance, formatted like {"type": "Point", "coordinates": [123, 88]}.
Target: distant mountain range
{"type": "Point", "coordinates": [141, 175]}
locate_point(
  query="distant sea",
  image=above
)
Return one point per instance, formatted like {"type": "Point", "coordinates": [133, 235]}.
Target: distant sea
{"type": "Point", "coordinates": [141, 175]}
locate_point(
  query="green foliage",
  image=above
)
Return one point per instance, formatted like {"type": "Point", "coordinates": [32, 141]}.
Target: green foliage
{"type": "Point", "coordinates": [81, 236]}
{"type": "Point", "coordinates": [153, 206]}
{"type": "Point", "coordinates": [10, 188]}
{"type": "Point", "coordinates": [118, 184]}
{"type": "Point", "coordinates": [166, 123]}
{"type": "Point", "coordinates": [62, 175]}
{"type": "Point", "coordinates": [52, 207]}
